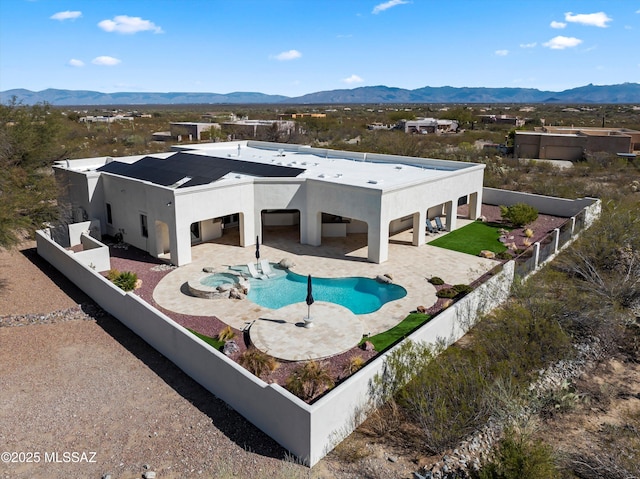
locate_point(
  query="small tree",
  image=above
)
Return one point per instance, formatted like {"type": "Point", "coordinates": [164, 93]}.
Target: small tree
{"type": "Point", "coordinates": [519, 214]}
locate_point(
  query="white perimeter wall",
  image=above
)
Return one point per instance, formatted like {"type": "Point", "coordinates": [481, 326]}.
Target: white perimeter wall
{"type": "Point", "coordinates": [547, 205]}
{"type": "Point", "coordinates": [308, 431]}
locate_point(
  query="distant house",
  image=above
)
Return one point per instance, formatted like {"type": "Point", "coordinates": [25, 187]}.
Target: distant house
{"type": "Point", "coordinates": [572, 144]}
{"type": "Point", "coordinates": [428, 125]}
{"type": "Point", "coordinates": [503, 120]}
{"type": "Point", "coordinates": [104, 118]}
{"type": "Point", "coordinates": [299, 116]}
{"type": "Point", "coordinates": [185, 130]}
{"type": "Point", "coordinates": [253, 128]}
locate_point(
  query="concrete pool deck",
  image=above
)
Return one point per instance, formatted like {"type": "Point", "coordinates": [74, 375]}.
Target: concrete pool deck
{"type": "Point", "coordinates": [409, 266]}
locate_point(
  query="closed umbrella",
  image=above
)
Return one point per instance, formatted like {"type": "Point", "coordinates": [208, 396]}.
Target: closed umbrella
{"type": "Point", "coordinates": [257, 250]}
{"type": "Point", "coordinates": [309, 297]}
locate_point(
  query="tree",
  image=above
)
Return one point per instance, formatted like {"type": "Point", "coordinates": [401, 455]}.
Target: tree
{"type": "Point", "coordinates": [30, 141]}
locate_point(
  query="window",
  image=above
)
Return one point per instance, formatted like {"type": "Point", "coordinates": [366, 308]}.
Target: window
{"type": "Point", "coordinates": [143, 226]}
{"type": "Point", "coordinates": [109, 217]}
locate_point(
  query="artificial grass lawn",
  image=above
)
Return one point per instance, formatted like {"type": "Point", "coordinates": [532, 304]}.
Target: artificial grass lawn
{"type": "Point", "coordinates": [472, 239]}
{"type": "Point", "coordinates": [213, 342]}
{"type": "Point", "coordinates": [383, 340]}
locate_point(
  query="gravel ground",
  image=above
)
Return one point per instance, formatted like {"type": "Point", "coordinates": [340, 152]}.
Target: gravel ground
{"type": "Point", "coordinates": [78, 382]}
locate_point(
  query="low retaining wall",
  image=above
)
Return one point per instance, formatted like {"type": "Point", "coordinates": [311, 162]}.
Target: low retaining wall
{"type": "Point", "coordinates": [547, 205]}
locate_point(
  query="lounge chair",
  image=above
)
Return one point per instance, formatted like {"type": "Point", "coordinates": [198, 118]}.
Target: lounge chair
{"type": "Point", "coordinates": [439, 223]}
{"type": "Point", "coordinates": [254, 272]}
{"type": "Point", "coordinates": [266, 269]}
{"type": "Point", "coordinates": [430, 227]}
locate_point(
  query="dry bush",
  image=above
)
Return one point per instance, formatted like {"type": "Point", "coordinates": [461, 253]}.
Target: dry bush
{"type": "Point", "coordinates": [387, 419]}
{"type": "Point", "coordinates": [355, 363]}
{"type": "Point", "coordinates": [226, 334]}
{"type": "Point", "coordinates": [257, 362]}
{"type": "Point", "coordinates": [309, 380]}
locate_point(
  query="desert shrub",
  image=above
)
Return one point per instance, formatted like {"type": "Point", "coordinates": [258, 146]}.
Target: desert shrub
{"type": "Point", "coordinates": [309, 379]}
{"type": "Point", "coordinates": [528, 232]}
{"type": "Point", "coordinates": [354, 364]}
{"type": "Point", "coordinates": [518, 457]}
{"type": "Point", "coordinates": [448, 293]}
{"type": "Point", "coordinates": [125, 280]}
{"type": "Point", "coordinates": [112, 274]}
{"type": "Point", "coordinates": [436, 281]}
{"type": "Point", "coordinates": [448, 399]}
{"type": "Point", "coordinates": [226, 334]}
{"type": "Point", "coordinates": [519, 214]}
{"type": "Point", "coordinates": [456, 291]}
{"type": "Point", "coordinates": [257, 362]}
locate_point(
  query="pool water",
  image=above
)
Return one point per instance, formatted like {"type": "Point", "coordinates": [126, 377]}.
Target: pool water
{"type": "Point", "coordinates": [360, 295]}
{"type": "Point", "coordinates": [218, 279]}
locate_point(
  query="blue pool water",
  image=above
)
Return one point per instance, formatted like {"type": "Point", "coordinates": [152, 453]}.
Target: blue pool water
{"type": "Point", "coordinates": [218, 279]}
{"type": "Point", "coordinates": [360, 295]}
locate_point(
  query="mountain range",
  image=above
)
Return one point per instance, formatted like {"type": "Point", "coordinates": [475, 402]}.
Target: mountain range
{"type": "Point", "coordinates": [622, 93]}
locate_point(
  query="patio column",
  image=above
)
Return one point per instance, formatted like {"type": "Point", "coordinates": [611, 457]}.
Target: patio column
{"type": "Point", "coordinates": [180, 245]}
{"type": "Point", "coordinates": [419, 220]}
{"type": "Point", "coordinates": [451, 215]}
{"type": "Point", "coordinates": [377, 241]}
{"type": "Point", "coordinates": [311, 228]}
{"type": "Point", "coordinates": [475, 206]}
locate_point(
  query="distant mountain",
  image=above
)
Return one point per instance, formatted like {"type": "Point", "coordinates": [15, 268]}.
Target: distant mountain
{"type": "Point", "coordinates": [85, 97]}
{"type": "Point", "coordinates": [623, 93]}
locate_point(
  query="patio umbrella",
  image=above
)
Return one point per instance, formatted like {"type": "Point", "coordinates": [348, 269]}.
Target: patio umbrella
{"type": "Point", "coordinates": [257, 250]}
{"type": "Point", "coordinates": [309, 296]}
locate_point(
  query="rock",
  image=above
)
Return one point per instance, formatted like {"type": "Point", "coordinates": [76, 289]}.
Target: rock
{"type": "Point", "coordinates": [138, 284]}
{"type": "Point", "coordinates": [223, 288]}
{"type": "Point", "coordinates": [383, 279]}
{"type": "Point", "coordinates": [392, 459]}
{"type": "Point", "coordinates": [368, 346]}
{"type": "Point", "coordinates": [421, 309]}
{"type": "Point", "coordinates": [209, 269]}
{"type": "Point", "coordinates": [149, 475]}
{"type": "Point", "coordinates": [485, 253]}
{"type": "Point", "coordinates": [389, 275]}
{"type": "Point", "coordinates": [287, 263]}
{"type": "Point", "coordinates": [230, 347]}
{"type": "Point", "coordinates": [106, 476]}
{"type": "Point", "coordinates": [483, 219]}
{"type": "Point", "coordinates": [235, 294]}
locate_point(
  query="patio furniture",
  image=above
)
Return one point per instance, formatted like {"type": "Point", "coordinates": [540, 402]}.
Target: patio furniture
{"type": "Point", "coordinates": [439, 223]}
{"type": "Point", "coordinates": [254, 272]}
{"type": "Point", "coordinates": [266, 269]}
{"type": "Point", "coordinates": [430, 227]}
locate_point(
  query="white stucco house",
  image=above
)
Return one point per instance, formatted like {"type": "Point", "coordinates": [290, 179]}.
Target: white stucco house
{"type": "Point", "coordinates": [165, 203]}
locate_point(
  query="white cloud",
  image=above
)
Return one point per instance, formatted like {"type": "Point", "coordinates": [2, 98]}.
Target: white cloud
{"type": "Point", "coordinates": [528, 45]}
{"type": "Point", "coordinates": [105, 61]}
{"type": "Point", "coordinates": [502, 53]}
{"type": "Point", "coordinates": [353, 79]}
{"type": "Point", "coordinates": [289, 55]}
{"type": "Point", "coordinates": [560, 42]}
{"type": "Point", "coordinates": [599, 19]}
{"type": "Point", "coordinates": [558, 25]}
{"type": "Point", "coordinates": [76, 63]}
{"type": "Point", "coordinates": [129, 25]}
{"type": "Point", "coordinates": [67, 15]}
{"type": "Point", "coordinates": [387, 5]}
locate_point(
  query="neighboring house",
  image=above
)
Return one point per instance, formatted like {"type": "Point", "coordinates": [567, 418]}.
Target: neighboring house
{"type": "Point", "coordinates": [165, 203]}
{"type": "Point", "coordinates": [254, 128]}
{"type": "Point", "coordinates": [503, 120]}
{"type": "Point", "coordinates": [104, 119]}
{"type": "Point", "coordinates": [428, 125]}
{"type": "Point", "coordinates": [299, 116]}
{"type": "Point", "coordinates": [190, 131]}
{"type": "Point", "coordinates": [564, 143]}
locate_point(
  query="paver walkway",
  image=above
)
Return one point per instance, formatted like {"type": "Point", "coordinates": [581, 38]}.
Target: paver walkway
{"type": "Point", "coordinates": [409, 266]}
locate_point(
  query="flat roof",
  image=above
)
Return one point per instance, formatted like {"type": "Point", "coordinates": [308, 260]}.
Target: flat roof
{"type": "Point", "coordinates": [206, 163]}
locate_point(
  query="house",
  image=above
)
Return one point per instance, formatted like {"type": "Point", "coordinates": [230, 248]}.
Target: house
{"type": "Point", "coordinates": [165, 203]}
{"type": "Point", "coordinates": [515, 121]}
{"type": "Point", "coordinates": [569, 143]}
{"type": "Point", "coordinates": [428, 125]}
{"type": "Point", "coordinates": [252, 128]}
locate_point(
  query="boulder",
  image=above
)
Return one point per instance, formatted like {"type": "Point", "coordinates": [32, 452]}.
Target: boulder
{"type": "Point", "coordinates": [209, 269]}
{"type": "Point", "coordinates": [421, 309]}
{"type": "Point", "coordinates": [223, 288]}
{"type": "Point", "coordinates": [287, 263]}
{"type": "Point", "coordinates": [235, 294]}
{"type": "Point", "coordinates": [383, 279]}
{"type": "Point", "coordinates": [367, 346]}
{"type": "Point", "coordinates": [389, 275]}
{"type": "Point", "coordinates": [485, 253]}
{"type": "Point", "coordinates": [230, 347]}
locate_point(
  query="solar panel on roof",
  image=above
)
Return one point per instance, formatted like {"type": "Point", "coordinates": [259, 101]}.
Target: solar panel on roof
{"type": "Point", "coordinates": [202, 169]}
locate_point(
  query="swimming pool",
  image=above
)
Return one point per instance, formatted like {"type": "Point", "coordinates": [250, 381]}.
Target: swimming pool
{"type": "Point", "coordinates": [360, 295]}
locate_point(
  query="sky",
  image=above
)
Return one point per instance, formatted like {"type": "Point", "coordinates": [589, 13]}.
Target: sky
{"type": "Point", "coordinates": [295, 47]}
